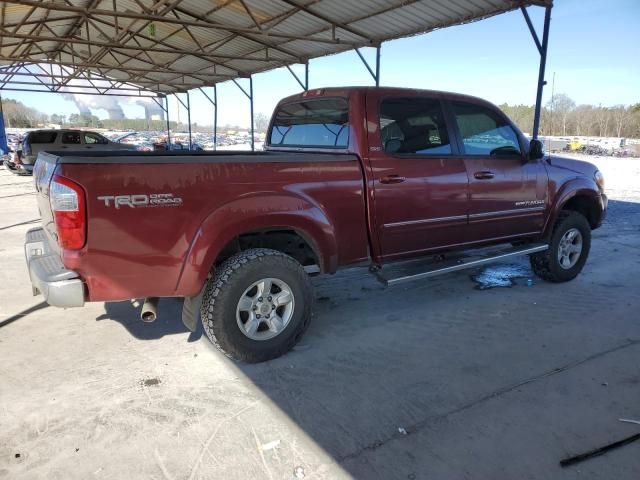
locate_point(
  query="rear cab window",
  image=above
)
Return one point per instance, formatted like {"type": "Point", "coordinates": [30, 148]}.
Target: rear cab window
{"type": "Point", "coordinates": [414, 126]}
{"type": "Point", "coordinates": [314, 122]}
{"type": "Point", "coordinates": [484, 132]}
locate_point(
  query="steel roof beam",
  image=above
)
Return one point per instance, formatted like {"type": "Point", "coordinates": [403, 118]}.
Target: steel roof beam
{"type": "Point", "coordinates": [305, 84]}
{"type": "Point", "coordinates": [260, 41]}
{"type": "Point", "coordinates": [117, 46]}
{"type": "Point", "coordinates": [111, 67]}
{"type": "Point", "coordinates": [324, 18]}
{"type": "Point", "coordinates": [162, 19]}
{"type": "Point", "coordinates": [141, 93]}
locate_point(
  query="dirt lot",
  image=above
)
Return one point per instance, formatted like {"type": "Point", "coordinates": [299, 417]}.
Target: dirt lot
{"type": "Point", "coordinates": [432, 380]}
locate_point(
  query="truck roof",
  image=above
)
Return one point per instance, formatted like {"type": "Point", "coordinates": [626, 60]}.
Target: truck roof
{"type": "Point", "coordinates": [380, 91]}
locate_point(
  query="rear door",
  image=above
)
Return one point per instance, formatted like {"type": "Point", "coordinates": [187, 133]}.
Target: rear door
{"type": "Point", "coordinates": [71, 140]}
{"type": "Point", "coordinates": [420, 185]}
{"type": "Point", "coordinates": [506, 191]}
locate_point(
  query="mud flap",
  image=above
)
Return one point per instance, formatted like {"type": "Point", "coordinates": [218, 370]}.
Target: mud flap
{"type": "Point", "coordinates": [191, 311]}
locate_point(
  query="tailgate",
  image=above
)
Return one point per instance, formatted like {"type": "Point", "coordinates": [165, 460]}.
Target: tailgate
{"type": "Point", "coordinates": [42, 174]}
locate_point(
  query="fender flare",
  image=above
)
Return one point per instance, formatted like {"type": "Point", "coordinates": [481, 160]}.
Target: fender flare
{"type": "Point", "coordinates": [257, 211]}
{"type": "Point", "coordinates": [576, 187]}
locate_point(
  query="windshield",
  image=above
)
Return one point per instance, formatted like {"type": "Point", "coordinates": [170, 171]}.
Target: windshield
{"type": "Point", "coordinates": [318, 122]}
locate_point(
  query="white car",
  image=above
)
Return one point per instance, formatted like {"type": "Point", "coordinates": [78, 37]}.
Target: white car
{"type": "Point", "coordinates": [38, 141]}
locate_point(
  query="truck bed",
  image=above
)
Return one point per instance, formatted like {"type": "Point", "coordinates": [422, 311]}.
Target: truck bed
{"type": "Point", "coordinates": [212, 195]}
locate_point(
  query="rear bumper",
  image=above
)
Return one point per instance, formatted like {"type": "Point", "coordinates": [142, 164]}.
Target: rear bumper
{"type": "Point", "coordinates": [59, 286]}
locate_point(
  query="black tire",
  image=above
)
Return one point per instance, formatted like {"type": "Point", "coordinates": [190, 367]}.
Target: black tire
{"type": "Point", "coordinates": [228, 284]}
{"type": "Point", "coordinates": [546, 264]}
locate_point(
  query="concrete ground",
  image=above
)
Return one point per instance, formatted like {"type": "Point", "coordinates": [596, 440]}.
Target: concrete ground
{"type": "Point", "coordinates": [434, 380]}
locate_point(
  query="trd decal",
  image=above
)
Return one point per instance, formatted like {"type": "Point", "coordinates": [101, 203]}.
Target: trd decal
{"type": "Point", "coordinates": [529, 203]}
{"type": "Point", "coordinates": [141, 200]}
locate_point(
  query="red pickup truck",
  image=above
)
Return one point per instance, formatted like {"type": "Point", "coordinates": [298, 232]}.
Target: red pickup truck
{"type": "Point", "coordinates": [349, 176]}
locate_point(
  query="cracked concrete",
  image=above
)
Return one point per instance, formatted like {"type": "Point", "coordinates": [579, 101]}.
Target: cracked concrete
{"type": "Point", "coordinates": [429, 380]}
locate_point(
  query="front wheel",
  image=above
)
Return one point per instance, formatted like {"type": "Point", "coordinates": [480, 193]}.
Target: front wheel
{"type": "Point", "coordinates": [568, 249]}
{"type": "Point", "coordinates": [257, 305]}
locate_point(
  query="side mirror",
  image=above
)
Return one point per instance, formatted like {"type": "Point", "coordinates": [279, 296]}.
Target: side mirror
{"type": "Point", "coordinates": [536, 149]}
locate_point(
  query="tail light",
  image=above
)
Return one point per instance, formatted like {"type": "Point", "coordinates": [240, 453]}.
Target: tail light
{"type": "Point", "coordinates": [68, 205]}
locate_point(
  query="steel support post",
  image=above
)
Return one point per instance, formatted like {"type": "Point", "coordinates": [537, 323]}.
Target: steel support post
{"type": "Point", "coordinates": [215, 118]}
{"type": "Point", "coordinates": [376, 74]}
{"type": "Point", "coordinates": [189, 119]}
{"type": "Point", "coordinates": [253, 147]}
{"type": "Point", "coordinates": [378, 66]}
{"type": "Point", "coordinates": [249, 95]}
{"type": "Point", "coordinates": [543, 64]}
{"type": "Point", "coordinates": [306, 75]}
{"type": "Point", "coordinates": [166, 110]}
{"type": "Point", "coordinates": [213, 102]}
{"type": "Point", "coordinates": [305, 85]}
{"type": "Point", "coordinates": [3, 132]}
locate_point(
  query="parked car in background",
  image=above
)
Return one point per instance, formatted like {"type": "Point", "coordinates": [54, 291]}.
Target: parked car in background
{"type": "Point", "coordinates": [37, 141]}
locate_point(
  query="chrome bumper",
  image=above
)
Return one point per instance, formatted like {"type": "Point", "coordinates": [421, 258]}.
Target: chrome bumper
{"type": "Point", "coordinates": [59, 286]}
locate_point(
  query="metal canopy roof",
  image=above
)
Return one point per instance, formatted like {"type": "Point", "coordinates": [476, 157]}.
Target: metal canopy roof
{"type": "Point", "coordinates": [169, 46]}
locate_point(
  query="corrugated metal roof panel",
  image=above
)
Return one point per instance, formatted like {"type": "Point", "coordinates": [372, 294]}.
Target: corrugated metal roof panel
{"type": "Point", "coordinates": [166, 42]}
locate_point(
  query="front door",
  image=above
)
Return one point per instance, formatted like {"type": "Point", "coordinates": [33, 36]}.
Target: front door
{"type": "Point", "coordinates": [93, 141]}
{"type": "Point", "coordinates": [419, 184]}
{"type": "Point", "coordinates": [507, 193]}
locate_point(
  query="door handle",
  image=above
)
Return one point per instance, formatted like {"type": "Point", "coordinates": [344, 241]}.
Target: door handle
{"type": "Point", "coordinates": [484, 175]}
{"type": "Point", "coordinates": [392, 179]}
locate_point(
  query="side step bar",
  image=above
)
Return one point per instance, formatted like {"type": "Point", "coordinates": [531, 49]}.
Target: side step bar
{"type": "Point", "coordinates": [462, 264]}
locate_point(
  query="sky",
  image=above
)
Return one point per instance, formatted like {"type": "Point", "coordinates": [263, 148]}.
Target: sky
{"type": "Point", "coordinates": [593, 51]}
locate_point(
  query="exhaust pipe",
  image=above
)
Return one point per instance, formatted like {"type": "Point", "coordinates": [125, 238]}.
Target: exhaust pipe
{"type": "Point", "coordinates": [149, 311]}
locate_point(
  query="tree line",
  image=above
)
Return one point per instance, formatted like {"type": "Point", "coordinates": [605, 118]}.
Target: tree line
{"type": "Point", "coordinates": [560, 117]}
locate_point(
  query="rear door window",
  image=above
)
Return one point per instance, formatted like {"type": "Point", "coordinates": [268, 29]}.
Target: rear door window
{"type": "Point", "coordinates": [42, 137]}
{"type": "Point", "coordinates": [413, 125]}
{"type": "Point", "coordinates": [318, 122]}
{"type": "Point", "coordinates": [71, 138]}
{"type": "Point", "coordinates": [484, 131]}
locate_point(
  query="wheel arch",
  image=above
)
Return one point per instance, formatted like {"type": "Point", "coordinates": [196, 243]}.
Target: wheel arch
{"type": "Point", "coordinates": [280, 216]}
{"type": "Point", "coordinates": [579, 195]}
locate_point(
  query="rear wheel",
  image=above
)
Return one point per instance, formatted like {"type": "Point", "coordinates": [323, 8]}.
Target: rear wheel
{"type": "Point", "coordinates": [257, 305]}
{"type": "Point", "coordinates": [568, 249]}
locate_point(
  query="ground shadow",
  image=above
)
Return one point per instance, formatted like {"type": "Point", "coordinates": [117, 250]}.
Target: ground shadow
{"type": "Point", "coordinates": [169, 321]}
{"type": "Point", "coordinates": [23, 314]}
{"type": "Point", "coordinates": [378, 365]}
{"type": "Point", "coordinates": [37, 220]}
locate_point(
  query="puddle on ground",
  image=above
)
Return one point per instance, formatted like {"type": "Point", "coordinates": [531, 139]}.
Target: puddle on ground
{"type": "Point", "coordinates": [501, 275]}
